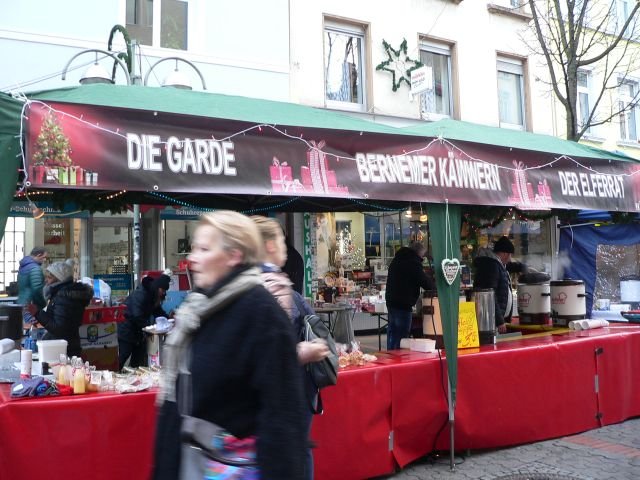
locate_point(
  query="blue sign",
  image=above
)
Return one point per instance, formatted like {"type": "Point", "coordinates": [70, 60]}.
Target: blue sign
{"type": "Point", "coordinates": [117, 281]}
{"type": "Point", "coordinates": [181, 213]}
{"type": "Point", "coordinates": [70, 210]}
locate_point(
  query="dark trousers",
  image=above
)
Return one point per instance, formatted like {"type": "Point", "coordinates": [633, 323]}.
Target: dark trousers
{"type": "Point", "coordinates": [137, 352]}
{"type": "Point", "coordinates": [398, 327]}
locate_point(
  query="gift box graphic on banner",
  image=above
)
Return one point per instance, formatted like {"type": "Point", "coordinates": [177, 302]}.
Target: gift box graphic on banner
{"type": "Point", "coordinates": [280, 175]}
{"type": "Point", "coordinates": [63, 175]}
{"type": "Point", "coordinates": [316, 176]}
{"type": "Point", "coordinates": [38, 173]}
{"type": "Point", "coordinates": [76, 175]}
{"type": "Point", "coordinates": [51, 175]}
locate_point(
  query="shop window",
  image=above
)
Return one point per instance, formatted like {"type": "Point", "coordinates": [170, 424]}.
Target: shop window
{"type": "Point", "coordinates": [57, 235]}
{"type": "Point", "coordinates": [112, 247]}
{"type": "Point", "coordinates": [511, 93]}
{"type": "Point", "coordinates": [160, 24]}
{"type": "Point", "coordinates": [437, 101]}
{"type": "Point", "coordinates": [627, 99]}
{"type": "Point", "coordinates": [344, 65]}
{"type": "Point", "coordinates": [12, 251]}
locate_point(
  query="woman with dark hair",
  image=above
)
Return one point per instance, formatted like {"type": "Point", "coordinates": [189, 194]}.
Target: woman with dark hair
{"type": "Point", "coordinates": [240, 352]}
{"type": "Point", "coordinates": [143, 306]}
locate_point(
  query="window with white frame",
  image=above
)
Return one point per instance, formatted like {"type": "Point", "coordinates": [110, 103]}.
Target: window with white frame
{"type": "Point", "coordinates": [511, 93]}
{"type": "Point", "coordinates": [161, 23]}
{"type": "Point", "coordinates": [11, 250]}
{"type": "Point", "coordinates": [584, 105]}
{"type": "Point", "coordinates": [627, 100]}
{"type": "Point", "coordinates": [437, 100]}
{"type": "Point", "coordinates": [624, 8]}
{"type": "Point", "coordinates": [344, 65]}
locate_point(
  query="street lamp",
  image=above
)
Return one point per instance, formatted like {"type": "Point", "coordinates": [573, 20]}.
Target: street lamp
{"type": "Point", "coordinates": [176, 78]}
{"type": "Point", "coordinates": [96, 73]}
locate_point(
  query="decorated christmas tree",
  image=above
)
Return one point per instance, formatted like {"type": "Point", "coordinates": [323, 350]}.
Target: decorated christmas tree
{"type": "Point", "coordinates": [350, 256]}
{"type": "Point", "coordinates": [52, 146]}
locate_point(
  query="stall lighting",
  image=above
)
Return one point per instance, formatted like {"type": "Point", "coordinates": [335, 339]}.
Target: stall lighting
{"type": "Point", "coordinates": [176, 78]}
{"type": "Point", "coordinates": [96, 73]}
{"type": "Point", "coordinates": [37, 212]}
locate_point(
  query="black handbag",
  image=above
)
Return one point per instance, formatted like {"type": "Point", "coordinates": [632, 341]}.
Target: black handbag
{"type": "Point", "coordinates": [325, 372]}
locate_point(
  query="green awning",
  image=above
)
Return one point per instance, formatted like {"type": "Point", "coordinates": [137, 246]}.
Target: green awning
{"type": "Point", "coordinates": [211, 105]}
{"type": "Point", "coordinates": [504, 137]}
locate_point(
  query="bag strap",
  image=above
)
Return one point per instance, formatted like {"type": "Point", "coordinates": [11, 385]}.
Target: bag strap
{"type": "Point", "coordinates": [184, 398]}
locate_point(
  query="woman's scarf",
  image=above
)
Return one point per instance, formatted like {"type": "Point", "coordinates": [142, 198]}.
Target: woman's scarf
{"type": "Point", "coordinates": [49, 289]}
{"type": "Point", "coordinates": [196, 309]}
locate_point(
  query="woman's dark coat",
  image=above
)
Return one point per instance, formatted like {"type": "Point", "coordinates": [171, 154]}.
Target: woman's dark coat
{"type": "Point", "coordinates": [63, 316]}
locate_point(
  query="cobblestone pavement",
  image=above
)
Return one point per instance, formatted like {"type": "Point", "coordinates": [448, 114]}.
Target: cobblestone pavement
{"type": "Point", "coordinates": [608, 453]}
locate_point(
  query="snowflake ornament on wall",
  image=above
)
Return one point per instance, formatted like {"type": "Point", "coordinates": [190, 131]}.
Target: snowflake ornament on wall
{"type": "Point", "coordinates": [398, 64]}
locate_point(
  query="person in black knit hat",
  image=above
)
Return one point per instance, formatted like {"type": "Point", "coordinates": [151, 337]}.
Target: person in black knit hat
{"type": "Point", "coordinates": [143, 306]}
{"type": "Point", "coordinates": [492, 270]}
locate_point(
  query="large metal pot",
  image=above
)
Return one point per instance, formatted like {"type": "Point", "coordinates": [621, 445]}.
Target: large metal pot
{"type": "Point", "coordinates": [568, 301]}
{"type": "Point", "coordinates": [486, 315]}
{"type": "Point", "coordinates": [534, 303]}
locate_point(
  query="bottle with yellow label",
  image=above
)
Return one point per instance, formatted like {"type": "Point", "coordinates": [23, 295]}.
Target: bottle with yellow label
{"type": "Point", "coordinates": [78, 377]}
{"type": "Point", "coordinates": [62, 372]}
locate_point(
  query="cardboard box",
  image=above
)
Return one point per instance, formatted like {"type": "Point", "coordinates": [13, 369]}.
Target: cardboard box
{"type": "Point", "coordinates": [105, 358]}
{"type": "Point", "coordinates": [422, 345]}
{"type": "Point", "coordinates": [99, 342]}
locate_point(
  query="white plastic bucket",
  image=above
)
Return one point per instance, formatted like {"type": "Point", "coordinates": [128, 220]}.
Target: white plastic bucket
{"type": "Point", "coordinates": [49, 350]}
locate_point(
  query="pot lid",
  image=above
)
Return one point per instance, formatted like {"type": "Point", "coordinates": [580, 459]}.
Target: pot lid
{"type": "Point", "coordinates": [566, 282]}
{"type": "Point", "coordinates": [628, 278]}
{"type": "Point", "coordinates": [534, 278]}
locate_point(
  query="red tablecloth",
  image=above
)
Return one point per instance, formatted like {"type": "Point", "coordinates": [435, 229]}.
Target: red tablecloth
{"type": "Point", "coordinates": [379, 415]}
{"type": "Point", "coordinates": [98, 436]}
{"type": "Point", "coordinates": [516, 392]}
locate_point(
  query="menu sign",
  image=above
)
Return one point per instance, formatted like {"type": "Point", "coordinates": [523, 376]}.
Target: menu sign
{"type": "Point", "coordinates": [467, 326]}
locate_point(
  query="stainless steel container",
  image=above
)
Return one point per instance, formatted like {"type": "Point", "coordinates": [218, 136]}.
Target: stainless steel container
{"type": "Point", "coordinates": [486, 315]}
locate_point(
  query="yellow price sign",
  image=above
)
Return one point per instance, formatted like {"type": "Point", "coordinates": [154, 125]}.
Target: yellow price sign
{"type": "Point", "coordinates": [467, 326]}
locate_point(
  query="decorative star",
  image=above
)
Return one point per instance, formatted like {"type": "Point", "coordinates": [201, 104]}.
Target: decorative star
{"type": "Point", "coordinates": [395, 63]}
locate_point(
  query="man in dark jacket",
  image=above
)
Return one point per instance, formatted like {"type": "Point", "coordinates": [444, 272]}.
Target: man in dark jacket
{"type": "Point", "coordinates": [492, 271]}
{"type": "Point", "coordinates": [31, 281]}
{"type": "Point", "coordinates": [65, 308]}
{"type": "Point", "coordinates": [404, 280]}
{"type": "Point", "coordinates": [294, 267]}
{"type": "Point", "coordinates": [143, 306]}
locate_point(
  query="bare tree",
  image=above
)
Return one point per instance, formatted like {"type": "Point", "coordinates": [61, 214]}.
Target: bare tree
{"type": "Point", "coordinates": [595, 36]}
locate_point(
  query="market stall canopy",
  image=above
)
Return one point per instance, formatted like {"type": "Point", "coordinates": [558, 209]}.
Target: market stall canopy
{"type": "Point", "coordinates": [218, 151]}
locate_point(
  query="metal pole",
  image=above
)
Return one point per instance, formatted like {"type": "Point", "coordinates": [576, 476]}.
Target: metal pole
{"type": "Point", "coordinates": [136, 244]}
{"type": "Point", "coordinates": [452, 454]}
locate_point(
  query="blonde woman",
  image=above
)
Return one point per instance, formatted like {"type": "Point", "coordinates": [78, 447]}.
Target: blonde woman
{"type": "Point", "coordinates": [241, 353]}
{"type": "Point", "coordinates": [277, 282]}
